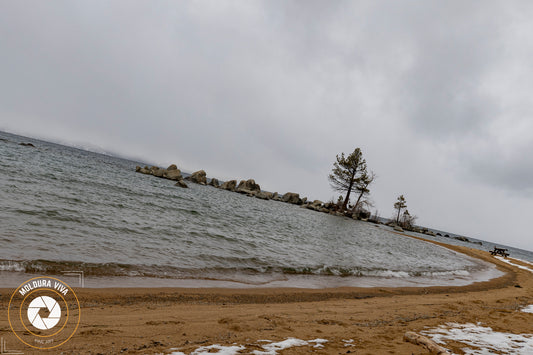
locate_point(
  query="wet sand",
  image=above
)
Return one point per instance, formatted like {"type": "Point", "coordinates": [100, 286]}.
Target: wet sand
{"type": "Point", "coordinates": [148, 321]}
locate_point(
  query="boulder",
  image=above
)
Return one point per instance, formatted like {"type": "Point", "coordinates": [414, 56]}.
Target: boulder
{"type": "Point", "coordinates": [199, 177]}
{"type": "Point", "coordinates": [27, 145]}
{"type": "Point", "coordinates": [182, 184]}
{"type": "Point", "coordinates": [158, 172]}
{"type": "Point", "coordinates": [173, 174]}
{"type": "Point", "coordinates": [276, 197]}
{"type": "Point", "coordinates": [137, 169]}
{"type": "Point", "coordinates": [248, 187]}
{"type": "Point", "coordinates": [462, 239]}
{"type": "Point", "coordinates": [317, 203]}
{"type": "Point", "coordinates": [214, 182]}
{"type": "Point", "coordinates": [172, 167]}
{"type": "Point", "coordinates": [264, 195]}
{"type": "Point", "coordinates": [398, 228]}
{"type": "Point", "coordinates": [310, 206]}
{"type": "Point", "coordinates": [229, 185]}
{"type": "Point", "coordinates": [291, 197]}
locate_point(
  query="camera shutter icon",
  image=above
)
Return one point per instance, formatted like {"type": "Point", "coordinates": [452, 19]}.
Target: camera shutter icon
{"type": "Point", "coordinates": [44, 302]}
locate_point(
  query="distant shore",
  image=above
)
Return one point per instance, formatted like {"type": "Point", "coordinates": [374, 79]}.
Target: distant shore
{"type": "Point", "coordinates": [140, 320]}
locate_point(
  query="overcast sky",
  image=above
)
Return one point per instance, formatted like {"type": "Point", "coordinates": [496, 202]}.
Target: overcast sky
{"type": "Point", "coordinates": [437, 94]}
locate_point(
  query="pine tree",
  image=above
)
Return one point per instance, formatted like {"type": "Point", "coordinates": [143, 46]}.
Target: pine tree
{"type": "Point", "coordinates": [348, 173]}
{"type": "Point", "coordinates": [400, 204]}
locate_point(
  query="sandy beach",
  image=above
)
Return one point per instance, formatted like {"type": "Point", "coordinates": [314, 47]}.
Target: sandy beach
{"type": "Point", "coordinates": [352, 320]}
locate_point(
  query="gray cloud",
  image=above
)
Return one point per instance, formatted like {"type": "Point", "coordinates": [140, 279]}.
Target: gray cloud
{"type": "Point", "coordinates": [437, 94]}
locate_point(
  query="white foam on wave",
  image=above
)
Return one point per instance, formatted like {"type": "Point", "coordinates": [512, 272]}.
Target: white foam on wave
{"type": "Point", "coordinates": [513, 264]}
{"type": "Point", "coordinates": [482, 340]}
{"type": "Point", "coordinates": [447, 273]}
{"type": "Point", "coordinates": [528, 309]}
{"type": "Point", "coordinates": [270, 348]}
{"type": "Point", "coordinates": [9, 265]}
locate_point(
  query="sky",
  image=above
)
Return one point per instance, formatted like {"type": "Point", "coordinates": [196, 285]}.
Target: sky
{"type": "Point", "coordinates": [437, 94]}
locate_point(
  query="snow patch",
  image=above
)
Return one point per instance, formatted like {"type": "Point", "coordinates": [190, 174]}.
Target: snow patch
{"type": "Point", "coordinates": [482, 340]}
{"type": "Point", "coordinates": [511, 263]}
{"type": "Point", "coordinates": [273, 348]}
{"type": "Point", "coordinates": [528, 309]}
{"type": "Point", "coordinates": [348, 342]}
{"type": "Point", "coordinates": [222, 350]}
{"type": "Point", "coordinates": [270, 348]}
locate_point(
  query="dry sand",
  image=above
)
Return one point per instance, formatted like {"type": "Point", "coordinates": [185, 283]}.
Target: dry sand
{"type": "Point", "coordinates": [149, 321]}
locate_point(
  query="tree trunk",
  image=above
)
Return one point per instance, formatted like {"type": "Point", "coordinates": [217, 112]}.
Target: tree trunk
{"type": "Point", "coordinates": [398, 218]}
{"type": "Point", "coordinates": [347, 198]}
{"type": "Point", "coordinates": [358, 199]}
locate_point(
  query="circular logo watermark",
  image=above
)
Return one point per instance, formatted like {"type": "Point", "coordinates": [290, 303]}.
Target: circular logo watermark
{"type": "Point", "coordinates": [44, 312]}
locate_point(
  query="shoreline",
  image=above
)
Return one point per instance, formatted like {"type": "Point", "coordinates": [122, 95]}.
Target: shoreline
{"type": "Point", "coordinates": [144, 320]}
{"type": "Point", "coordinates": [486, 271]}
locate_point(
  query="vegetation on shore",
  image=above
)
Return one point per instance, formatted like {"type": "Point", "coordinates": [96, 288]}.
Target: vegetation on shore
{"type": "Point", "coordinates": [350, 175]}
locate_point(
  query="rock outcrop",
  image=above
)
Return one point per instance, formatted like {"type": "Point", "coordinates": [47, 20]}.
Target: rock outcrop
{"type": "Point", "coordinates": [158, 172]}
{"type": "Point", "coordinates": [264, 195]}
{"type": "Point", "coordinates": [182, 184]}
{"type": "Point", "coordinates": [171, 173]}
{"type": "Point", "coordinates": [214, 182]}
{"type": "Point", "coordinates": [229, 185]}
{"type": "Point", "coordinates": [198, 177]}
{"type": "Point", "coordinates": [291, 197]}
{"type": "Point", "coordinates": [248, 187]}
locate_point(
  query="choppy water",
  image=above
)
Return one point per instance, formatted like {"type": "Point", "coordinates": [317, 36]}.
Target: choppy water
{"type": "Point", "coordinates": [63, 208]}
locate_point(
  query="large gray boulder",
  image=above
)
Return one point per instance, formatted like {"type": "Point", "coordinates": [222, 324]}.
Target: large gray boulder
{"type": "Point", "coordinates": [158, 171]}
{"type": "Point", "coordinates": [214, 182]}
{"type": "Point", "coordinates": [173, 174]}
{"type": "Point", "coordinates": [229, 185]}
{"type": "Point", "coordinates": [248, 187]}
{"type": "Point", "coordinates": [291, 197]}
{"type": "Point", "coordinates": [264, 195]}
{"type": "Point", "coordinates": [145, 170]}
{"type": "Point", "coordinates": [199, 177]}
{"type": "Point", "coordinates": [182, 184]}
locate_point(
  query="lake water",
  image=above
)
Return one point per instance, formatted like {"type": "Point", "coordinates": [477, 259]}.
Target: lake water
{"type": "Point", "coordinates": [65, 209]}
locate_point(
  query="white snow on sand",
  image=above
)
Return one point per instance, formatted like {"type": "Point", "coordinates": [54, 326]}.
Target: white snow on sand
{"type": "Point", "coordinates": [528, 309]}
{"type": "Point", "coordinates": [481, 340]}
{"type": "Point", "coordinates": [511, 263]}
{"type": "Point", "coordinates": [222, 350]}
{"type": "Point", "coordinates": [269, 348]}
{"type": "Point", "coordinates": [273, 348]}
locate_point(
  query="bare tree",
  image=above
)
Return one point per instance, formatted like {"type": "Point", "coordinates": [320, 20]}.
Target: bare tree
{"type": "Point", "coordinates": [408, 220]}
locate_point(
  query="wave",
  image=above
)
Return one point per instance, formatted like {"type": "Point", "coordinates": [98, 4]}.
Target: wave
{"type": "Point", "coordinates": [53, 267]}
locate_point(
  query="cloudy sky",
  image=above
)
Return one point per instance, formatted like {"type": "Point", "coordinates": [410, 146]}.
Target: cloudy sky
{"type": "Point", "coordinates": [437, 94]}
